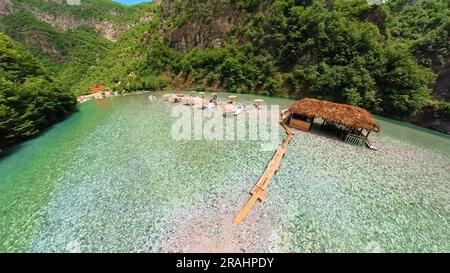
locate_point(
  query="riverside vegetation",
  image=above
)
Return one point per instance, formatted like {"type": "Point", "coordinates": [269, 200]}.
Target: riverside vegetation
{"type": "Point", "coordinates": [391, 58]}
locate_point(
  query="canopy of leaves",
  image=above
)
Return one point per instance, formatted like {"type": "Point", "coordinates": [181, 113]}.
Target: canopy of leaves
{"type": "Point", "coordinates": [343, 50]}
{"type": "Point", "coordinates": [291, 48]}
{"type": "Point", "coordinates": [30, 99]}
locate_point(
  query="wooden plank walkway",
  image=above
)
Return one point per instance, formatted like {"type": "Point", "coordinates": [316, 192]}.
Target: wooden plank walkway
{"type": "Point", "coordinates": [259, 191]}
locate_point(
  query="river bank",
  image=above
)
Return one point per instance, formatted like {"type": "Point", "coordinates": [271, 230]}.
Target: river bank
{"type": "Point", "coordinates": [111, 179]}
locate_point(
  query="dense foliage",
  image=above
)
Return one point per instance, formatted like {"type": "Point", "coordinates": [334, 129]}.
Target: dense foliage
{"type": "Point", "coordinates": [380, 56]}
{"type": "Point", "coordinates": [29, 98]}
{"type": "Point", "coordinates": [425, 28]}
{"type": "Point", "coordinates": [64, 44]}
{"type": "Point", "coordinates": [334, 55]}
{"type": "Point", "coordinates": [134, 63]}
{"type": "Point", "coordinates": [71, 46]}
{"type": "Point", "coordinates": [103, 10]}
{"type": "Point", "coordinates": [292, 48]}
{"type": "Point", "coordinates": [302, 49]}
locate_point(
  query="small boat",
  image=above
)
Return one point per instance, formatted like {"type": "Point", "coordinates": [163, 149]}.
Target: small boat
{"type": "Point", "coordinates": [200, 99]}
{"type": "Point", "coordinates": [203, 103]}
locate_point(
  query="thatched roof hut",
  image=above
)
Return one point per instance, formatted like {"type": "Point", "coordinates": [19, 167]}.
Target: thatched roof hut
{"type": "Point", "coordinates": [347, 115]}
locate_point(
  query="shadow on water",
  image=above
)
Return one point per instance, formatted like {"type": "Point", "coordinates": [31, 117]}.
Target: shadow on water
{"type": "Point", "coordinates": [102, 176]}
{"type": "Point", "coordinates": [329, 132]}
{"type": "Point", "coordinates": [103, 106]}
{"type": "Point", "coordinates": [414, 134]}
{"type": "Point", "coordinates": [393, 129]}
{"type": "Point", "coordinates": [19, 144]}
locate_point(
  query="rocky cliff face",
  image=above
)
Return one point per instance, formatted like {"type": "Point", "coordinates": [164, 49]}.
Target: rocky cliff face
{"type": "Point", "coordinates": [186, 24]}
{"type": "Point", "coordinates": [69, 36]}
{"type": "Point", "coordinates": [428, 119]}
{"type": "Point", "coordinates": [199, 23]}
{"type": "Point", "coordinates": [65, 22]}
{"type": "Point", "coordinates": [71, 14]}
{"type": "Point", "coordinates": [207, 24]}
{"type": "Point", "coordinates": [56, 30]}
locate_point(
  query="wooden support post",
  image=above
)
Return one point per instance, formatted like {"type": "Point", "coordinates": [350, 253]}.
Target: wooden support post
{"type": "Point", "coordinates": [320, 130]}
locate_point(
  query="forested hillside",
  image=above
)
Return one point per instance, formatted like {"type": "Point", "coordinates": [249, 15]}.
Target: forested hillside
{"type": "Point", "coordinates": [424, 26]}
{"type": "Point", "coordinates": [30, 99]}
{"type": "Point", "coordinates": [391, 58]}
{"type": "Point", "coordinates": [55, 43]}
{"type": "Point", "coordinates": [68, 39]}
{"type": "Point", "coordinates": [374, 56]}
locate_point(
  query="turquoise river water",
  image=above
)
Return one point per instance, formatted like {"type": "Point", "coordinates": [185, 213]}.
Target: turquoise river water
{"type": "Point", "coordinates": [110, 178]}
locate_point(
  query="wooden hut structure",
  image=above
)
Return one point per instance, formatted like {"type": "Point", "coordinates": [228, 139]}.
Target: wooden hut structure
{"type": "Point", "coordinates": [98, 88]}
{"type": "Point", "coordinates": [350, 121]}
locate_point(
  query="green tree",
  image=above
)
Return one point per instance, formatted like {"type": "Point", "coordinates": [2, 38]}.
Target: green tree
{"type": "Point", "coordinates": [29, 98]}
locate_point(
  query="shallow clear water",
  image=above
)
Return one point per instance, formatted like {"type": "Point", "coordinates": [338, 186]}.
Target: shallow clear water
{"type": "Point", "coordinates": [110, 178]}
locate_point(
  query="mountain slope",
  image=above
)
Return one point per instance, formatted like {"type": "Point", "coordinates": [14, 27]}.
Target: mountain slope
{"type": "Point", "coordinates": [68, 38]}
{"type": "Point", "coordinates": [327, 49]}
{"type": "Point", "coordinates": [30, 99]}
{"type": "Point", "coordinates": [348, 51]}
{"type": "Point", "coordinates": [425, 27]}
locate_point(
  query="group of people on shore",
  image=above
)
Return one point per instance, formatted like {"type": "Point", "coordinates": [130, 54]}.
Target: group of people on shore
{"type": "Point", "coordinates": [230, 108]}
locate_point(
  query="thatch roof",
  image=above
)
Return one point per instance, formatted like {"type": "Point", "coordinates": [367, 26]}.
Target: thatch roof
{"type": "Point", "coordinates": [343, 114]}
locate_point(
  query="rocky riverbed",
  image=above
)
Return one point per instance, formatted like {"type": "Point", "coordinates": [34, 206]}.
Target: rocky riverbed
{"type": "Point", "coordinates": [123, 184]}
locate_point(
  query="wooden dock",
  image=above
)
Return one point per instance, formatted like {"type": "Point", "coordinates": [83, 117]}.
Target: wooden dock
{"type": "Point", "coordinates": [259, 190]}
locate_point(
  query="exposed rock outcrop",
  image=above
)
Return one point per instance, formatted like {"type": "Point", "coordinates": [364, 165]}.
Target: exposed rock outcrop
{"type": "Point", "coordinates": [429, 120]}
{"type": "Point", "coordinates": [442, 85]}
{"type": "Point", "coordinates": [64, 22]}
{"type": "Point", "coordinates": [40, 40]}
{"type": "Point", "coordinates": [6, 7]}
